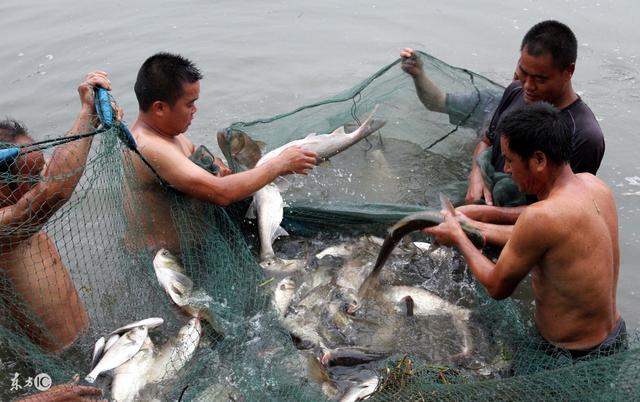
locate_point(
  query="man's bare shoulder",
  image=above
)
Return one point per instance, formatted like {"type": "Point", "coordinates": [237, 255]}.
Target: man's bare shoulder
{"type": "Point", "coordinates": [152, 144]}
{"type": "Point", "coordinates": [593, 183]}
{"type": "Point", "coordinates": [540, 224]}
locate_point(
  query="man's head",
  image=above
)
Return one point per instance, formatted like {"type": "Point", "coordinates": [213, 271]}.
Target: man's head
{"type": "Point", "coordinates": [167, 87]}
{"type": "Point", "coordinates": [535, 142]}
{"type": "Point", "coordinates": [12, 185]}
{"type": "Point", "coordinates": [547, 61]}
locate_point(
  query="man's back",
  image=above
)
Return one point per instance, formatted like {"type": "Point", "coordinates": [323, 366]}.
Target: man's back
{"type": "Point", "coordinates": [575, 282]}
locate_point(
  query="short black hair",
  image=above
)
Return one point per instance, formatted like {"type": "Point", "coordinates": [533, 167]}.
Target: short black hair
{"type": "Point", "coordinates": [161, 78]}
{"type": "Point", "coordinates": [537, 127]}
{"type": "Point", "coordinates": [552, 37]}
{"type": "Point", "coordinates": [11, 129]}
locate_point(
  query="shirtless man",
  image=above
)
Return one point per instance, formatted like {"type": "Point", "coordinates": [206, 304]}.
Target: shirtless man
{"type": "Point", "coordinates": [28, 257]}
{"type": "Point", "coordinates": [167, 88]}
{"type": "Point", "coordinates": [568, 240]}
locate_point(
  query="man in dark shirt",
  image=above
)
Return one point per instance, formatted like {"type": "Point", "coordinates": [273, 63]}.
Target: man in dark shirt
{"type": "Point", "coordinates": [547, 62]}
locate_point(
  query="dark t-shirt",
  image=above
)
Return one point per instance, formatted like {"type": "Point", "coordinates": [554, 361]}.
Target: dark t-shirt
{"type": "Point", "coordinates": [588, 140]}
{"type": "Point", "coordinates": [473, 109]}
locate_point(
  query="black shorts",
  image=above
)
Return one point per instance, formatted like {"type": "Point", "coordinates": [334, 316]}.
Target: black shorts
{"type": "Point", "coordinates": [615, 342]}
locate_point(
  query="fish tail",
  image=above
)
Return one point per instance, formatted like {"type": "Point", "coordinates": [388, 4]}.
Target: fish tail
{"type": "Point", "coordinates": [91, 377]}
{"type": "Point", "coordinates": [467, 339]}
{"type": "Point", "coordinates": [318, 373]}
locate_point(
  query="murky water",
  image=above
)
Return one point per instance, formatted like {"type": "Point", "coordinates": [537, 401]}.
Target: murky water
{"type": "Point", "coordinates": [264, 58]}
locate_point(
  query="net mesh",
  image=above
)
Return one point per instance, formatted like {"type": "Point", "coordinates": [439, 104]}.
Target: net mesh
{"type": "Point", "coordinates": [91, 264]}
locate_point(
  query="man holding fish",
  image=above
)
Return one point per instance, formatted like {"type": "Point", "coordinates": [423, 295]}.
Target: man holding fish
{"type": "Point", "coordinates": [568, 240]}
{"type": "Point", "coordinates": [167, 88]}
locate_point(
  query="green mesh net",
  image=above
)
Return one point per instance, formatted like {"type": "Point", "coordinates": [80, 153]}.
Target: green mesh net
{"type": "Point", "coordinates": [95, 255]}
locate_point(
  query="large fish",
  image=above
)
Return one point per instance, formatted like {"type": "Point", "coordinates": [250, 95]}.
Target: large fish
{"type": "Point", "coordinates": [328, 145]}
{"type": "Point", "coordinates": [179, 287]}
{"type": "Point", "coordinates": [425, 303]}
{"type": "Point", "coordinates": [103, 344]}
{"type": "Point", "coordinates": [176, 352]}
{"type": "Point", "coordinates": [150, 323]}
{"type": "Point", "coordinates": [131, 377]}
{"type": "Point", "coordinates": [124, 349]}
{"type": "Point", "coordinates": [359, 385]}
{"type": "Point", "coordinates": [267, 202]}
{"type": "Point", "coordinates": [408, 224]}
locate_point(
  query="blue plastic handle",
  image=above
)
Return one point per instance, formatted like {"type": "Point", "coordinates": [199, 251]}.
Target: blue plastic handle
{"type": "Point", "coordinates": [103, 107]}
{"type": "Point", "coordinates": [8, 155]}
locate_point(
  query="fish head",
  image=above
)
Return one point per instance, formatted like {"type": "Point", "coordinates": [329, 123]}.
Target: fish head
{"type": "Point", "coordinates": [283, 294]}
{"type": "Point", "coordinates": [164, 259]}
{"type": "Point", "coordinates": [147, 345]}
{"type": "Point", "coordinates": [240, 147]}
{"type": "Point", "coordinates": [286, 285]}
{"type": "Point", "coordinates": [189, 334]}
{"type": "Point", "coordinates": [277, 264]}
{"type": "Point", "coordinates": [135, 335]}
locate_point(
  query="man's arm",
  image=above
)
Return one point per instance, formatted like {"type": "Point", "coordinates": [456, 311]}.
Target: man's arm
{"type": "Point", "coordinates": [60, 175]}
{"type": "Point", "coordinates": [429, 94]}
{"type": "Point", "coordinates": [492, 214]}
{"type": "Point", "coordinates": [523, 250]}
{"type": "Point", "coordinates": [495, 223]}
{"type": "Point", "coordinates": [196, 182]}
{"type": "Point", "coordinates": [477, 187]}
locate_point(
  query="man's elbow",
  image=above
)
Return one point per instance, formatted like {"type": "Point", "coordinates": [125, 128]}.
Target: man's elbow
{"type": "Point", "coordinates": [223, 200]}
{"type": "Point", "coordinates": [500, 291]}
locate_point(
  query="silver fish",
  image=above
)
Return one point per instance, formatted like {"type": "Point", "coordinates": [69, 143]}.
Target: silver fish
{"type": "Point", "coordinates": [360, 384]}
{"type": "Point", "coordinates": [267, 202]}
{"type": "Point", "coordinates": [176, 352]}
{"type": "Point", "coordinates": [328, 145]}
{"type": "Point", "coordinates": [179, 287]}
{"type": "Point", "coordinates": [425, 303]}
{"type": "Point", "coordinates": [408, 224]}
{"type": "Point", "coordinates": [124, 349]}
{"type": "Point", "coordinates": [362, 387]}
{"type": "Point", "coordinates": [171, 276]}
{"type": "Point", "coordinates": [131, 377]}
{"type": "Point", "coordinates": [282, 295]}
{"type": "Point", "coordinates": [267, 207]}
{"type": "Point", "coordinates": [150, 323]}
{"type": "Point", "coordinates": [112, 339]}
{"type": "Point", "coordinates": [98, 350]}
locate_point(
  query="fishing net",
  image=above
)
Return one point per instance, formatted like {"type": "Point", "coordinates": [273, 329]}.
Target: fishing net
{"type": "Point", "coordinates": [99, 246]}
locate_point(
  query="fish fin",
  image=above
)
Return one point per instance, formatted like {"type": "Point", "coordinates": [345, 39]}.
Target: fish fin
{"type": "Point", "coordinates": [179, 285]}
{"type": "Point", "coordinates": [280, 232]}
{"type": "Point", "coordinates": [446, 204]}
{"type": "Point", "coordinates": [261, 145]}
{"type": "Point", "coordinates": [325, 163]}
{"type": "Point", "coordinates": [206, 314]}
{"type": "Point", "coordinates": [311, 135]}
{"type": "Point", "coordinates": [339, 131]}
{"type": "Point", "coordinates": [317, 372]}
{"type": "Point", "coordinates": [467, 338]}
{"type": "Point", "coordinates": [98, 350]}
{"type": "Point", "coordinates": [282, 183]}
{"type": "Point", "coordinates": [251, 212]}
